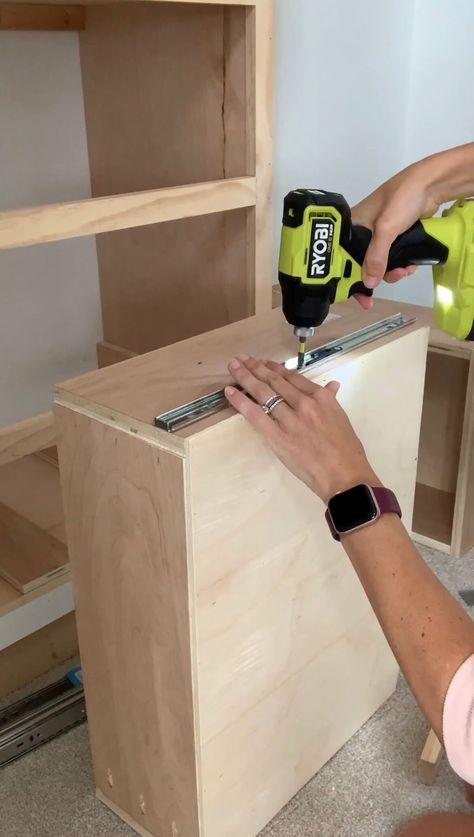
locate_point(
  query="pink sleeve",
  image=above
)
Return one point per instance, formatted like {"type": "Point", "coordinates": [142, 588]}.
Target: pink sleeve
{"type": "Point", "coordinates": [458, 722]}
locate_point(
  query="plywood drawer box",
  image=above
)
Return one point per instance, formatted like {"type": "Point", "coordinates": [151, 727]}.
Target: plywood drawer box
{"type": "Point", "coordinates": [228, 648]}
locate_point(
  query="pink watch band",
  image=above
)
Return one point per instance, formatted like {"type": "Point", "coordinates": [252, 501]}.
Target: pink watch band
{"type": "Point", "coordinates": [386, 502]}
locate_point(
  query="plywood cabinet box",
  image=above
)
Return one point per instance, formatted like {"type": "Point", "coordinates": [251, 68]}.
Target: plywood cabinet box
{"type": "Point", "coordinates": [228, 648]}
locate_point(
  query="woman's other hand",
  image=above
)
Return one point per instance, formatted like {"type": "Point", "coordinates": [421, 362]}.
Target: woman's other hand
{"type": "Point", "coordinates": [309, 431]}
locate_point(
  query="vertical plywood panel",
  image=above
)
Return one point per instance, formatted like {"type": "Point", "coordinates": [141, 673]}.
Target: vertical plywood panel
{"type": "Point", "coordinates": [124, 503]}
{"type": "Point", "coordinates": [442, 422]}
{"type": "Point", "coordinates": [463, 534]}
{"type": "Point", "coordinates": [292, 660]}
{"type": "Point", "coordinates": [261, 46]}
{"type": "Point", "coordinates": [153, 94]}
{"type": "Point", "coordinates": [172, 281]}
{"type": "Point", "coordinates": [168, 102]}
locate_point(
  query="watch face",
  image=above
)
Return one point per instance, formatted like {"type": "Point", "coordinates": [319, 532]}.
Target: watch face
{"type": "Point", "coordinates": [352, 508]}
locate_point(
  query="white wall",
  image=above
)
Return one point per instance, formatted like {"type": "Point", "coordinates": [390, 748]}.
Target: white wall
{"type": "Point", "coordinates": [341, 80]}
{"type": "Point", "coordinates": [440, 109]}
{"type": "Point", "coordinates": [364, 88]}
{"type": "Point", "coordinates": [49, 302]}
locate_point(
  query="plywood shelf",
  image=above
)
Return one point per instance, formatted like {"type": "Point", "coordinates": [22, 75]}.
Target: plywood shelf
{"type": "Point", "coordinates": [54, 222]}
{"type": "Point", "coordinates": [41, 17]}
{"type": "Point", "coordinates": [25, 437]}
{"type": "Point", "coordinates": [30, 487]}
{"type": "Point", "coordinates": [192, 2]}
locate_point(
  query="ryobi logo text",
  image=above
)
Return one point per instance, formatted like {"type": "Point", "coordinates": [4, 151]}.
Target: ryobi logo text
{"type": "Point", "coordinates": [319, 257]}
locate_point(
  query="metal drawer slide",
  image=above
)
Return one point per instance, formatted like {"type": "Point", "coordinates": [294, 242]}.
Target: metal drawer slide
{"type": "Point", "coordinates": [208, 405]}
{"type": "Point", "coordinates": [32, 721]}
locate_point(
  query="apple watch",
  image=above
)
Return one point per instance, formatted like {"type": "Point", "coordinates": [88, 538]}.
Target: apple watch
{"type": "Point", "coordinates": [358, 507]}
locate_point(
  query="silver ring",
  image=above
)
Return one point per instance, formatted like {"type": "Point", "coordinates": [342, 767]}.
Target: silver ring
{"type": "Point", "coordinates": [271, 404]}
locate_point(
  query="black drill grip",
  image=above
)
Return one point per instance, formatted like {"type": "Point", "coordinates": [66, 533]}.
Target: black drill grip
{"type": "Point", "coordinates": [413, 247]}
{"type": "Point", "coordinates": [360, 289]}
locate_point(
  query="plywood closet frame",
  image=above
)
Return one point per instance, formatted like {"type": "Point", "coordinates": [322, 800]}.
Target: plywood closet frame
{"type": "Point", "coordinates": [237, 204]}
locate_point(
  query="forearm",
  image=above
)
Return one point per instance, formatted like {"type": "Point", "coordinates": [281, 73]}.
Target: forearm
{"type": "Point", "coordinates": [448, 175]}
{"type": "Point", "coordinates": [427, 629]}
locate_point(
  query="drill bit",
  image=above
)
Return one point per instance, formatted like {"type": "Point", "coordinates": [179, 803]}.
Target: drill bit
{"type": "Point", "coordinates": [301, 353]}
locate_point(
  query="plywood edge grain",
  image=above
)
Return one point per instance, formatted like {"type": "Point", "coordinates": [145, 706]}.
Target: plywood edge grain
{"type": "Point", "coordinates": [54, 222]}
{"type": "Point", "coordinates": [192, 612]}
{"type": "Point", "coordinates": [147, 432]}
{"type": "Point", "coordinates": [463, 526]}
{"type": "Point", "coordinates": [262, 27]}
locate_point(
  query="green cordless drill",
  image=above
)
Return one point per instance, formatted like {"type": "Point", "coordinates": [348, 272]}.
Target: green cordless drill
{"type": "Point", "coordinates": [322, 252]}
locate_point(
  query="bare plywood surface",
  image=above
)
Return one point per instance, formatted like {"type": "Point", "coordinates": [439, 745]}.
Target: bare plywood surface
{"type": "Point", "coordinates": [150, 384]}
{"type": "Point", "coordinates": [167, 62]}
{"type": "Point", "coordinates": [464, 516]}
{"type": "Point", "coordinates": [25, 437]}
{"type": "Point", "coordinates": [434, 511]}
{"type": "Point", "coordinates": [107, 354]}
{"type": "Point", "coordinates": [166, 103]}
{"type": "Point", "coordinates": [290, 655]}
{"type": "Point", "coordinates": [41, 17]}
{"type": "Point", "coordinates": [31, 487]}
{"type": "Point", "coordinates": [29, 556]}
{"type": "Point", "coordinates": [171, 281]}
{"type": "Point", "coordinates": [443, 419]}
{"type": "Point", "coordinates": [127, 542]}
{"type": "Point", "coordinates": [38, 653]}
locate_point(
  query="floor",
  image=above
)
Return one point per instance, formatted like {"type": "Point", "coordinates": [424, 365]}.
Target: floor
{"type": "Point", "coordinates": [367, 790]}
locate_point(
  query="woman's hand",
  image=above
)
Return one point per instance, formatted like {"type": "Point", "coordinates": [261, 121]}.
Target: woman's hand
{"type": "Point", "coordinates": [310, 432]}
{"type": "Point", "coordinates": [393, 208]}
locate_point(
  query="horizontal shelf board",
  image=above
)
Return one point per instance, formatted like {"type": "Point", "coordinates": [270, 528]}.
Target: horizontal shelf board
{"type": "Point", "coordinates": [203, 2]}
{"type": "Point", "coordinates": [32, 488]}
{"type": "Point", "coordinates": [22, 615]}
{"type": "Point", "coordinates": [41, 17]}
{"type": "Point", "coordinates": [54, 222]}
{"type": "Point", "coordinates": [25, 437]}
{"type": "Point", "coordinates": [29, 556]}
